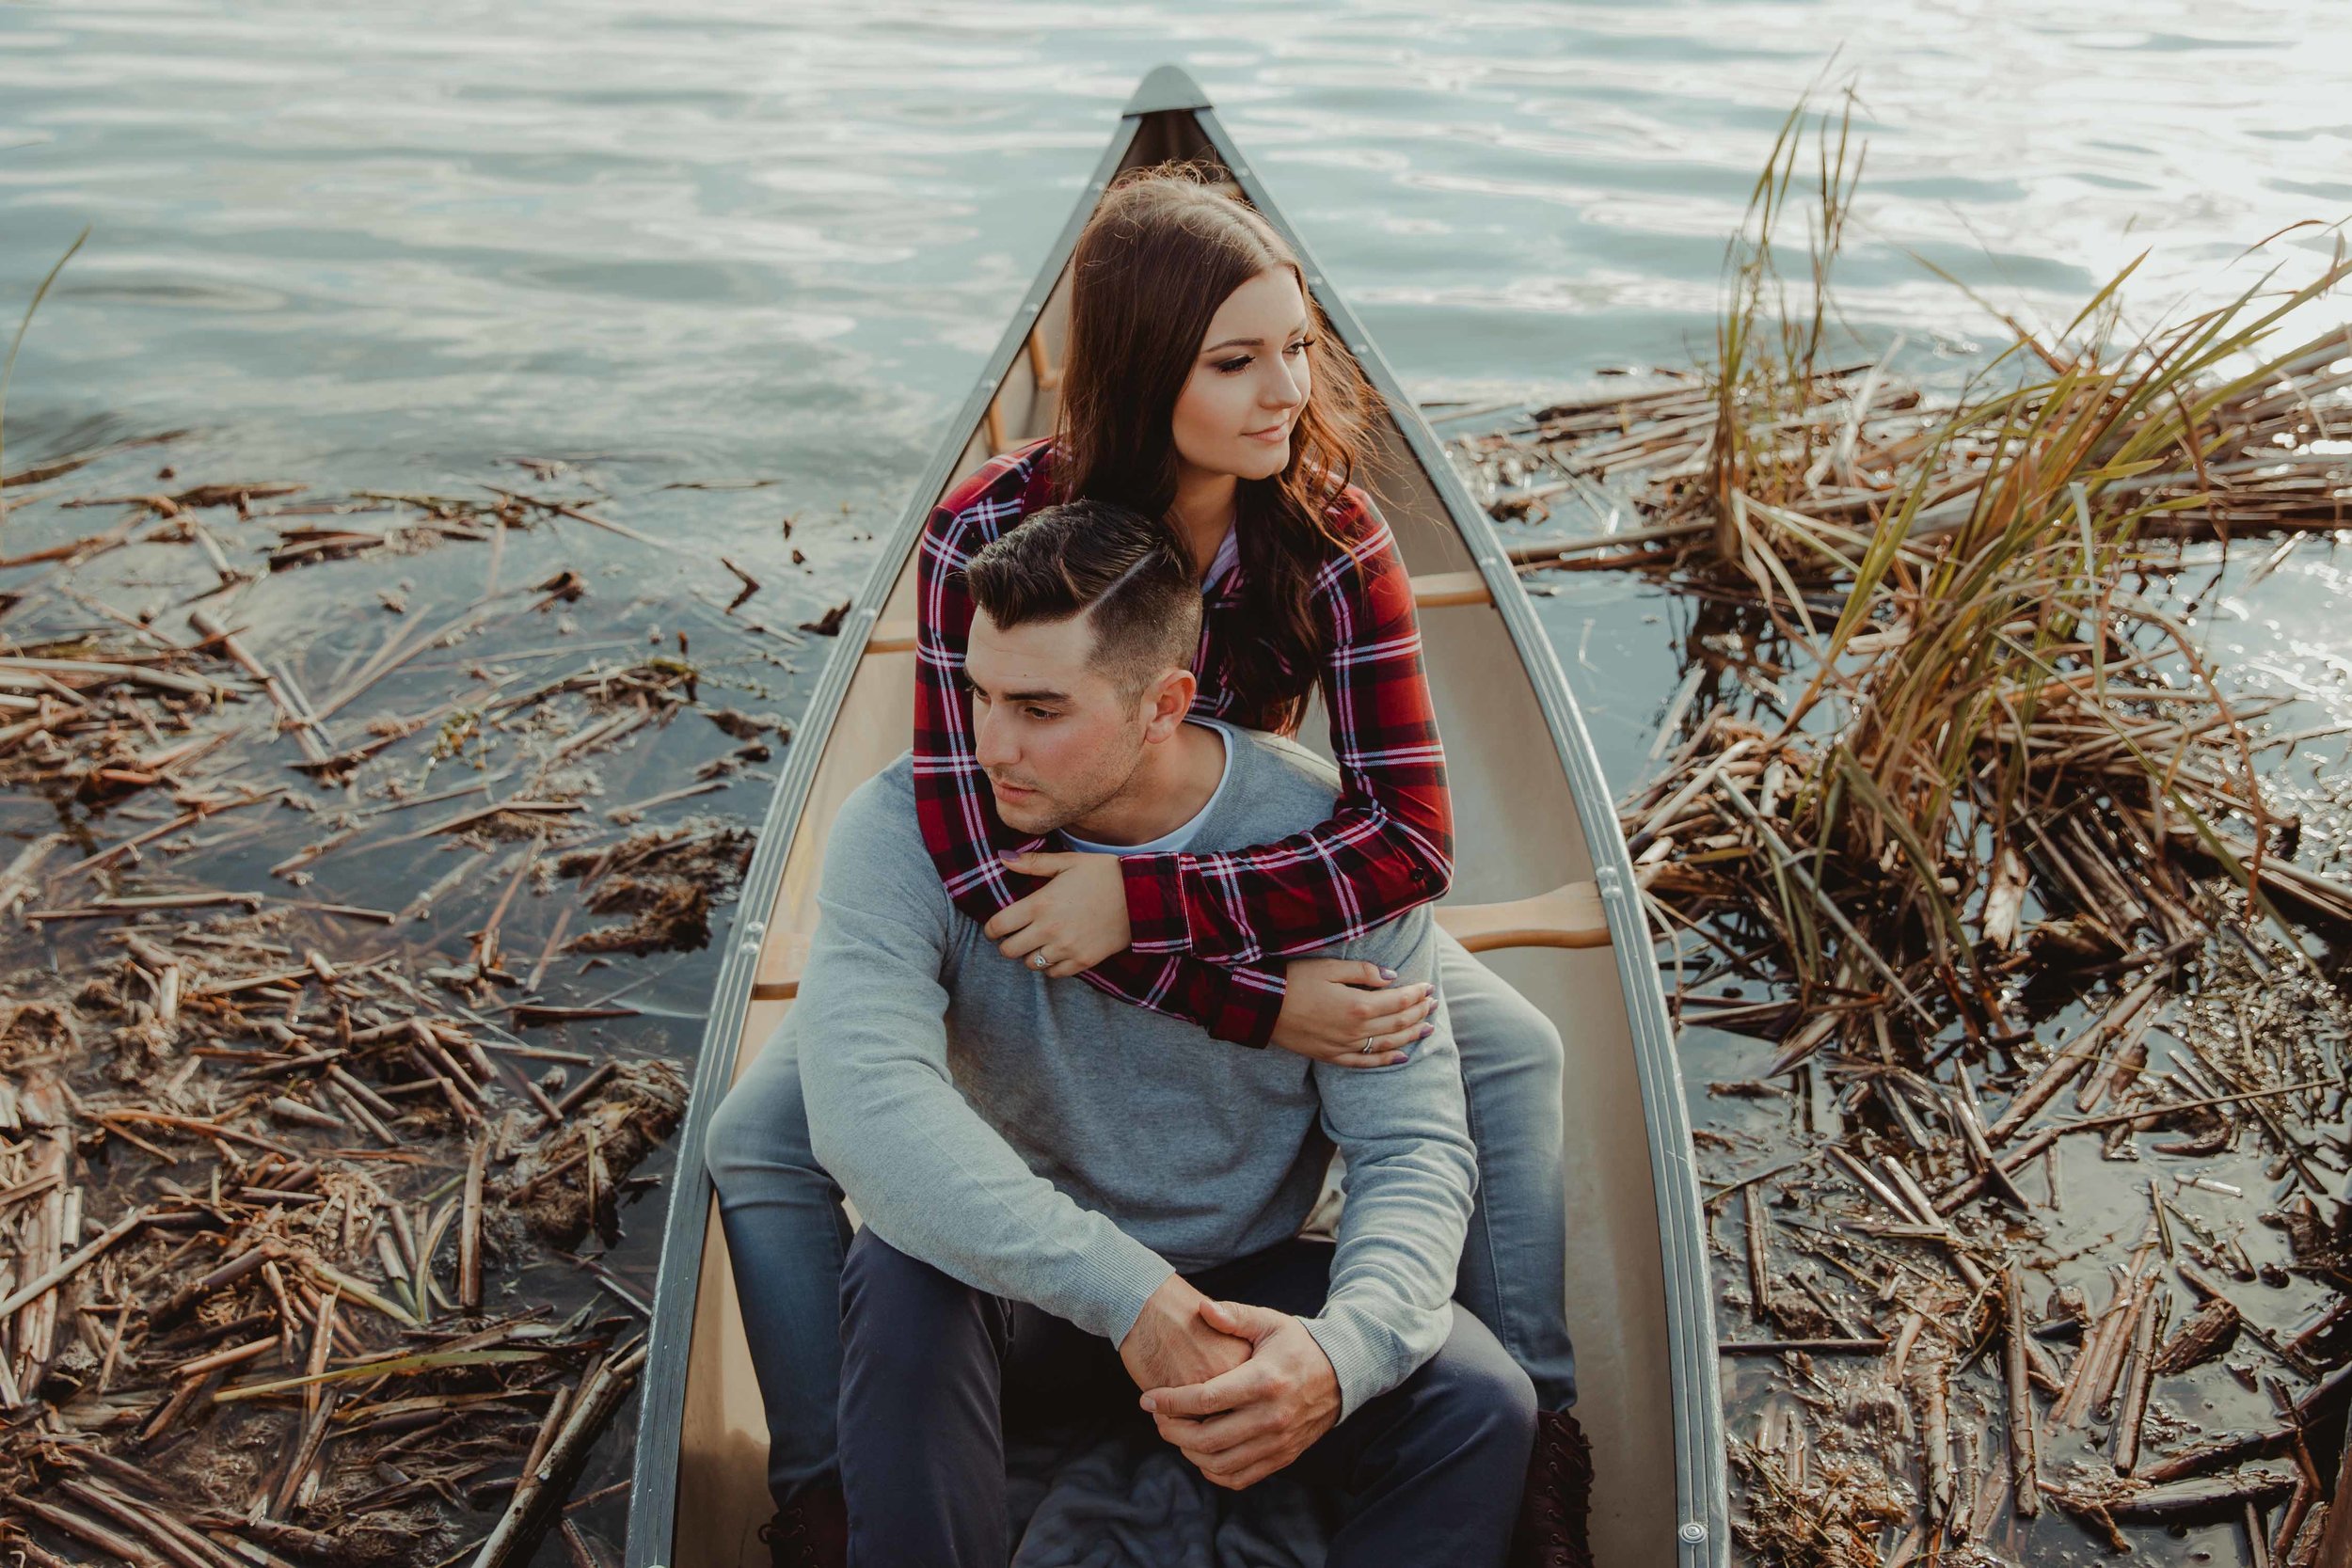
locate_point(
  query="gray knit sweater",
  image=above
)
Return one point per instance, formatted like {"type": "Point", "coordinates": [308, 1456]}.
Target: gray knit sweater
{"type": "Point", "coordinates": [1042, 1141]}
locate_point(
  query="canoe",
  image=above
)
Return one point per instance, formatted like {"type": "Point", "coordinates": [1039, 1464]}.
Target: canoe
{"type": "Point", "coordinates": [1542, 886]}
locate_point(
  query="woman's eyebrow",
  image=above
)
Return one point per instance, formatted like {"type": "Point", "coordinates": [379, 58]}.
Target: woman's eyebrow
{"type": "Point", "coordinates": [1252, 342]}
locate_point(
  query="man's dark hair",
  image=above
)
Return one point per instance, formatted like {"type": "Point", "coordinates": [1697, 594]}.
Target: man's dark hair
{"type": "Point", "coordinates": [1128, 574]}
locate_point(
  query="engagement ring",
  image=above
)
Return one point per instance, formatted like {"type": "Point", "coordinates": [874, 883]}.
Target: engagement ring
{"type": "Point", "coordinates": [1038, 960]}
{"type": "Point", "coordinates": [1365, 1048]}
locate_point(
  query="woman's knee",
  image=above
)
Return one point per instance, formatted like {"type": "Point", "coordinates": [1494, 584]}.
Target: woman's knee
{"type": "Point", "coordinates": [761, 1127]}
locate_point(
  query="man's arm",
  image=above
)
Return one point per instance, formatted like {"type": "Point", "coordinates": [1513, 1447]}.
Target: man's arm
{"type": "Point", "coordinates": [885, 1118]}
{"type": "Point", "coordinates": [1410, 1175]}
{"type": "Point", "coordinates": [1412, 1172]}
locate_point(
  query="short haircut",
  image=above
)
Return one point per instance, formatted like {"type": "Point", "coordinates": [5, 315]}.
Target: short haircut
{"type": "Point", "coordinates": [1128, 574]}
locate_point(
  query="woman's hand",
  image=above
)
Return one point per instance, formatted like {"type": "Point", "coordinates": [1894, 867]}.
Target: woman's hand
{"type": "Point", "coordinates": [1075, 922]}
{"type": "Point", "coordinates": [1332, 1006]}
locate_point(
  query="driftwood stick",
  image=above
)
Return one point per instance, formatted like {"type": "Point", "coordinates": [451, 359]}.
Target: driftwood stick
{"type": "Point", "coordinates": [469, 1230]}
{"type": "Point", "coordinates": [84, 1528]}
{"type": "Point", "coordinates": [44, 1283]}
{"type": "Point", "coordinates": [2137, 1374]}
{"type": "Point", "coordinates": [539, 1494]}
{"type": "Point", "coordinates": [1760, 1265]}
{"type": "Point", "coordinates": [2024, 1456]}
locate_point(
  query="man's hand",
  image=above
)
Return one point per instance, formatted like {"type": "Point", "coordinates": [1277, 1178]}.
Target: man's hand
{"type": "Point", "coordinates": [1172, 1344]}
{"type": "Point", "coordinates": [1332, 1006]}
{"type": "Point", "coordinates": [1076, 920]}
{"type": "Point", "coordinates": [1243, 1425]}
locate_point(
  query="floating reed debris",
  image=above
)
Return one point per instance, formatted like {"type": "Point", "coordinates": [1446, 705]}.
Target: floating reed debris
{"type": "Point", "coordinates": [274, 1167]}
{"type": "Point", "coordinates": [1954, 812]}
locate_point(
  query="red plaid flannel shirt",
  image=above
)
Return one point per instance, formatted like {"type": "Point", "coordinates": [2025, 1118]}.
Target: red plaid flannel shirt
{"type": "Point", "coordinates": [1205, 926]}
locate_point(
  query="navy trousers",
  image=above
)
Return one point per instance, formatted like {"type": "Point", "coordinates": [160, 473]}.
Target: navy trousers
{"type": "Point", "coordinates": [1429, 1472]}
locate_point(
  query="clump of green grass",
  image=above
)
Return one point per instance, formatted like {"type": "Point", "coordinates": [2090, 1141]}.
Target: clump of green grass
{"type": "Point", "coordinates": [1981, 702]}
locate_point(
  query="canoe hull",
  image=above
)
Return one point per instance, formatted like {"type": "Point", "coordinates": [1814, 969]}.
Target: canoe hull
{"type": "Point", "coordinates": [1532, 813]}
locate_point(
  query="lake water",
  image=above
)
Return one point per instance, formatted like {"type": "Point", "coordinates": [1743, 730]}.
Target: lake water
{"type": "Point", "coordinates": [738, 246]}
{"type": "Point", "coordinates": [387, 245]}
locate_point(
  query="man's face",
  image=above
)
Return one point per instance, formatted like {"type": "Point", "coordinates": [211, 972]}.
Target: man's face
{"type": "Point", "coordinates": [1057, 738]}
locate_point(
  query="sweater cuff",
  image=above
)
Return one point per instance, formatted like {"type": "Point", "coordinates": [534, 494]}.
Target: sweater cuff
{"type": "Point", "coordinates": [1363, 1354]}
{"type": "Point", "coordinates": [1155, 903]}
{"type": "Point", "coordinates": [1120, 1277]}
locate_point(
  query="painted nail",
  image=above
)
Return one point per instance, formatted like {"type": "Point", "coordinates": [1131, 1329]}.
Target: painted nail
{"type": "Point", "coordinates": [1386, 973]}
{"type": "Point", "coordinates": [1426, 1030]}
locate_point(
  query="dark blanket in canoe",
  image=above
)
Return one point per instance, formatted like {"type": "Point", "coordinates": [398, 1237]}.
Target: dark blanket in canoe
{"type": "Point", "coordinates": [1107, 1492]}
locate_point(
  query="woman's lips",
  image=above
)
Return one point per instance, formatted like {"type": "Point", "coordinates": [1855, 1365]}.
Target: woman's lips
{"type": "Point", "coordinates": [1268, 436]}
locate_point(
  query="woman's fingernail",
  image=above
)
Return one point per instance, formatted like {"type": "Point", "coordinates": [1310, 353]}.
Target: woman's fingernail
{"type": "Point", "coordinates": [1426, 1030]}
{"type": "Point", "coordinates": [1385, 972]}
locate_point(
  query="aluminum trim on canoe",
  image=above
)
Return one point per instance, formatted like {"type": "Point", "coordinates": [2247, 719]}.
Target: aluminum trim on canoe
{"type": "Point", "coordinates": [1701, 1479]}
{"type": "Point", "coordinates": [653, 1480]}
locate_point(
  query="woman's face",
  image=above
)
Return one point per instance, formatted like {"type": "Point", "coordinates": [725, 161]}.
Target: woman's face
{"type": "Point", "coordinates": [1249, 382]}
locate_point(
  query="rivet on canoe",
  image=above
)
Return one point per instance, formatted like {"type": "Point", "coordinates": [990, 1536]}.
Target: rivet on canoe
{"type": "Point", "coordinates": [1692, 1531]}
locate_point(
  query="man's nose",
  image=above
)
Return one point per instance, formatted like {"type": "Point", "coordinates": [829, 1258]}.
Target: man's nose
{"type": "Point", "coordinates": [989, 746]}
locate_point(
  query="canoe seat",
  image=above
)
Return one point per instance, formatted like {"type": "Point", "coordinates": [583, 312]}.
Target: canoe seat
{"type": "Point", "coordinates": [1567, 916]}
{"type": "Point", "coordinates": [1431, 591]}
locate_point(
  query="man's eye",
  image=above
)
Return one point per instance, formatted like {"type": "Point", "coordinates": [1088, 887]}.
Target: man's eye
{"type": "Point", "coordinates": [1043, 713]}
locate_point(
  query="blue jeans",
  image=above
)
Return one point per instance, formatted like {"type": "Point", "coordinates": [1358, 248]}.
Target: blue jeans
{"type": "Point", "coordinates": [934, 1369]}
{"type": "Point", "coordinates": [787, 1236]}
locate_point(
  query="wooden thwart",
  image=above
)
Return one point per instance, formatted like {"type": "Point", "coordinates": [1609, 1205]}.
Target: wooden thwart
{"type": "Point", "coordinates": [1431, 591]}
{"type": "Point", "coordinates": [1568, 916]}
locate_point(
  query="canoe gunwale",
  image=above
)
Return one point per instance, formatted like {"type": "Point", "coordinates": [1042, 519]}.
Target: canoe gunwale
{"type": "Point", "coordinates": [652, 1489]}
{"type": "Point", "coordinates": [1699, 1452]}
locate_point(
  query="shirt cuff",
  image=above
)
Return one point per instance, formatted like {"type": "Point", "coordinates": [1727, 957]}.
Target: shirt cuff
{"type": "Point", "coordinates": [1155, 903]}
{"type": "Point", "coordinates": [1240, 1006]}
{"type": "Point", "coordinates": [1119, 1278]}
{"type": "Point", "coordinates": [1361, 1352]}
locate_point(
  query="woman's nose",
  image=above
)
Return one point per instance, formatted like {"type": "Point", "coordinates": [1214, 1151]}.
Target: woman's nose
{"type": "Point", "coordinates": [1286, 387]}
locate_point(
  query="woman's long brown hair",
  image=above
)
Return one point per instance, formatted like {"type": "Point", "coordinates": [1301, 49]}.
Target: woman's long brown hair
{"type": "Point", "coordinates": [1162, 252]}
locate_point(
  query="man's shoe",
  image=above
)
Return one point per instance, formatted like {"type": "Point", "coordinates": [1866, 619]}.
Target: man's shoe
{"type": "Point", "coordinates": [811, 1532]}
{"type": "Point", "coordinates": [1555, 1509]}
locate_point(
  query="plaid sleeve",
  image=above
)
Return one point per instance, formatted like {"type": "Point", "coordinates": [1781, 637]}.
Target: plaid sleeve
{"type": "Point", "coordinates": [1389, 844]}
{"type": "Point", "coordinates": [957, 812]}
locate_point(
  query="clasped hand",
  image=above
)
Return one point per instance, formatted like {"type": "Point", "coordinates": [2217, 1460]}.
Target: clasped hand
{"type": "Point", "coordinates": [1241, 1425]}
{"type": "Point", "coordinates": [1075, 922]}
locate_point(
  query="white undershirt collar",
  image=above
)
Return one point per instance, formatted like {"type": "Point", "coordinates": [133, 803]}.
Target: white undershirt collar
{"type": "Point", "coordinates": [1169, 843]}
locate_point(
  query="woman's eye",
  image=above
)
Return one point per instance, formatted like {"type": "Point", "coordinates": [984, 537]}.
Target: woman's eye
{"type": "Point", "coordinates": [1302, 346]}
{"type": "Point", "coordinates": [1231, 366]}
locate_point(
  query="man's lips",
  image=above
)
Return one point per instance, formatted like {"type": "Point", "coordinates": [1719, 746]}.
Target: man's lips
{"type": "Point", "coordinates": [1012, 789]}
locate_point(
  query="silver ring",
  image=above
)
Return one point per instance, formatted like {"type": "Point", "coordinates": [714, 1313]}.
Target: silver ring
{"type": "Point", "coordinates": [1039, 961]}
{"type": "Point", "coordinates": [1365, 1048]}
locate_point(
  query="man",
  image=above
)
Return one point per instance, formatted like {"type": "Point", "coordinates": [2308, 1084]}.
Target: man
{"type": "Point", "coordinates": [1057, 1184]}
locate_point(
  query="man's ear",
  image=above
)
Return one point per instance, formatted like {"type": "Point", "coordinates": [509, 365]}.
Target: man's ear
{"type": "Point", "coordinates": [1165, 701]}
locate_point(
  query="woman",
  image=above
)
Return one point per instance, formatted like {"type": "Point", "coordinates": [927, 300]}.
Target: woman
{"type": "Point", "coordinates": [1199, 389]}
